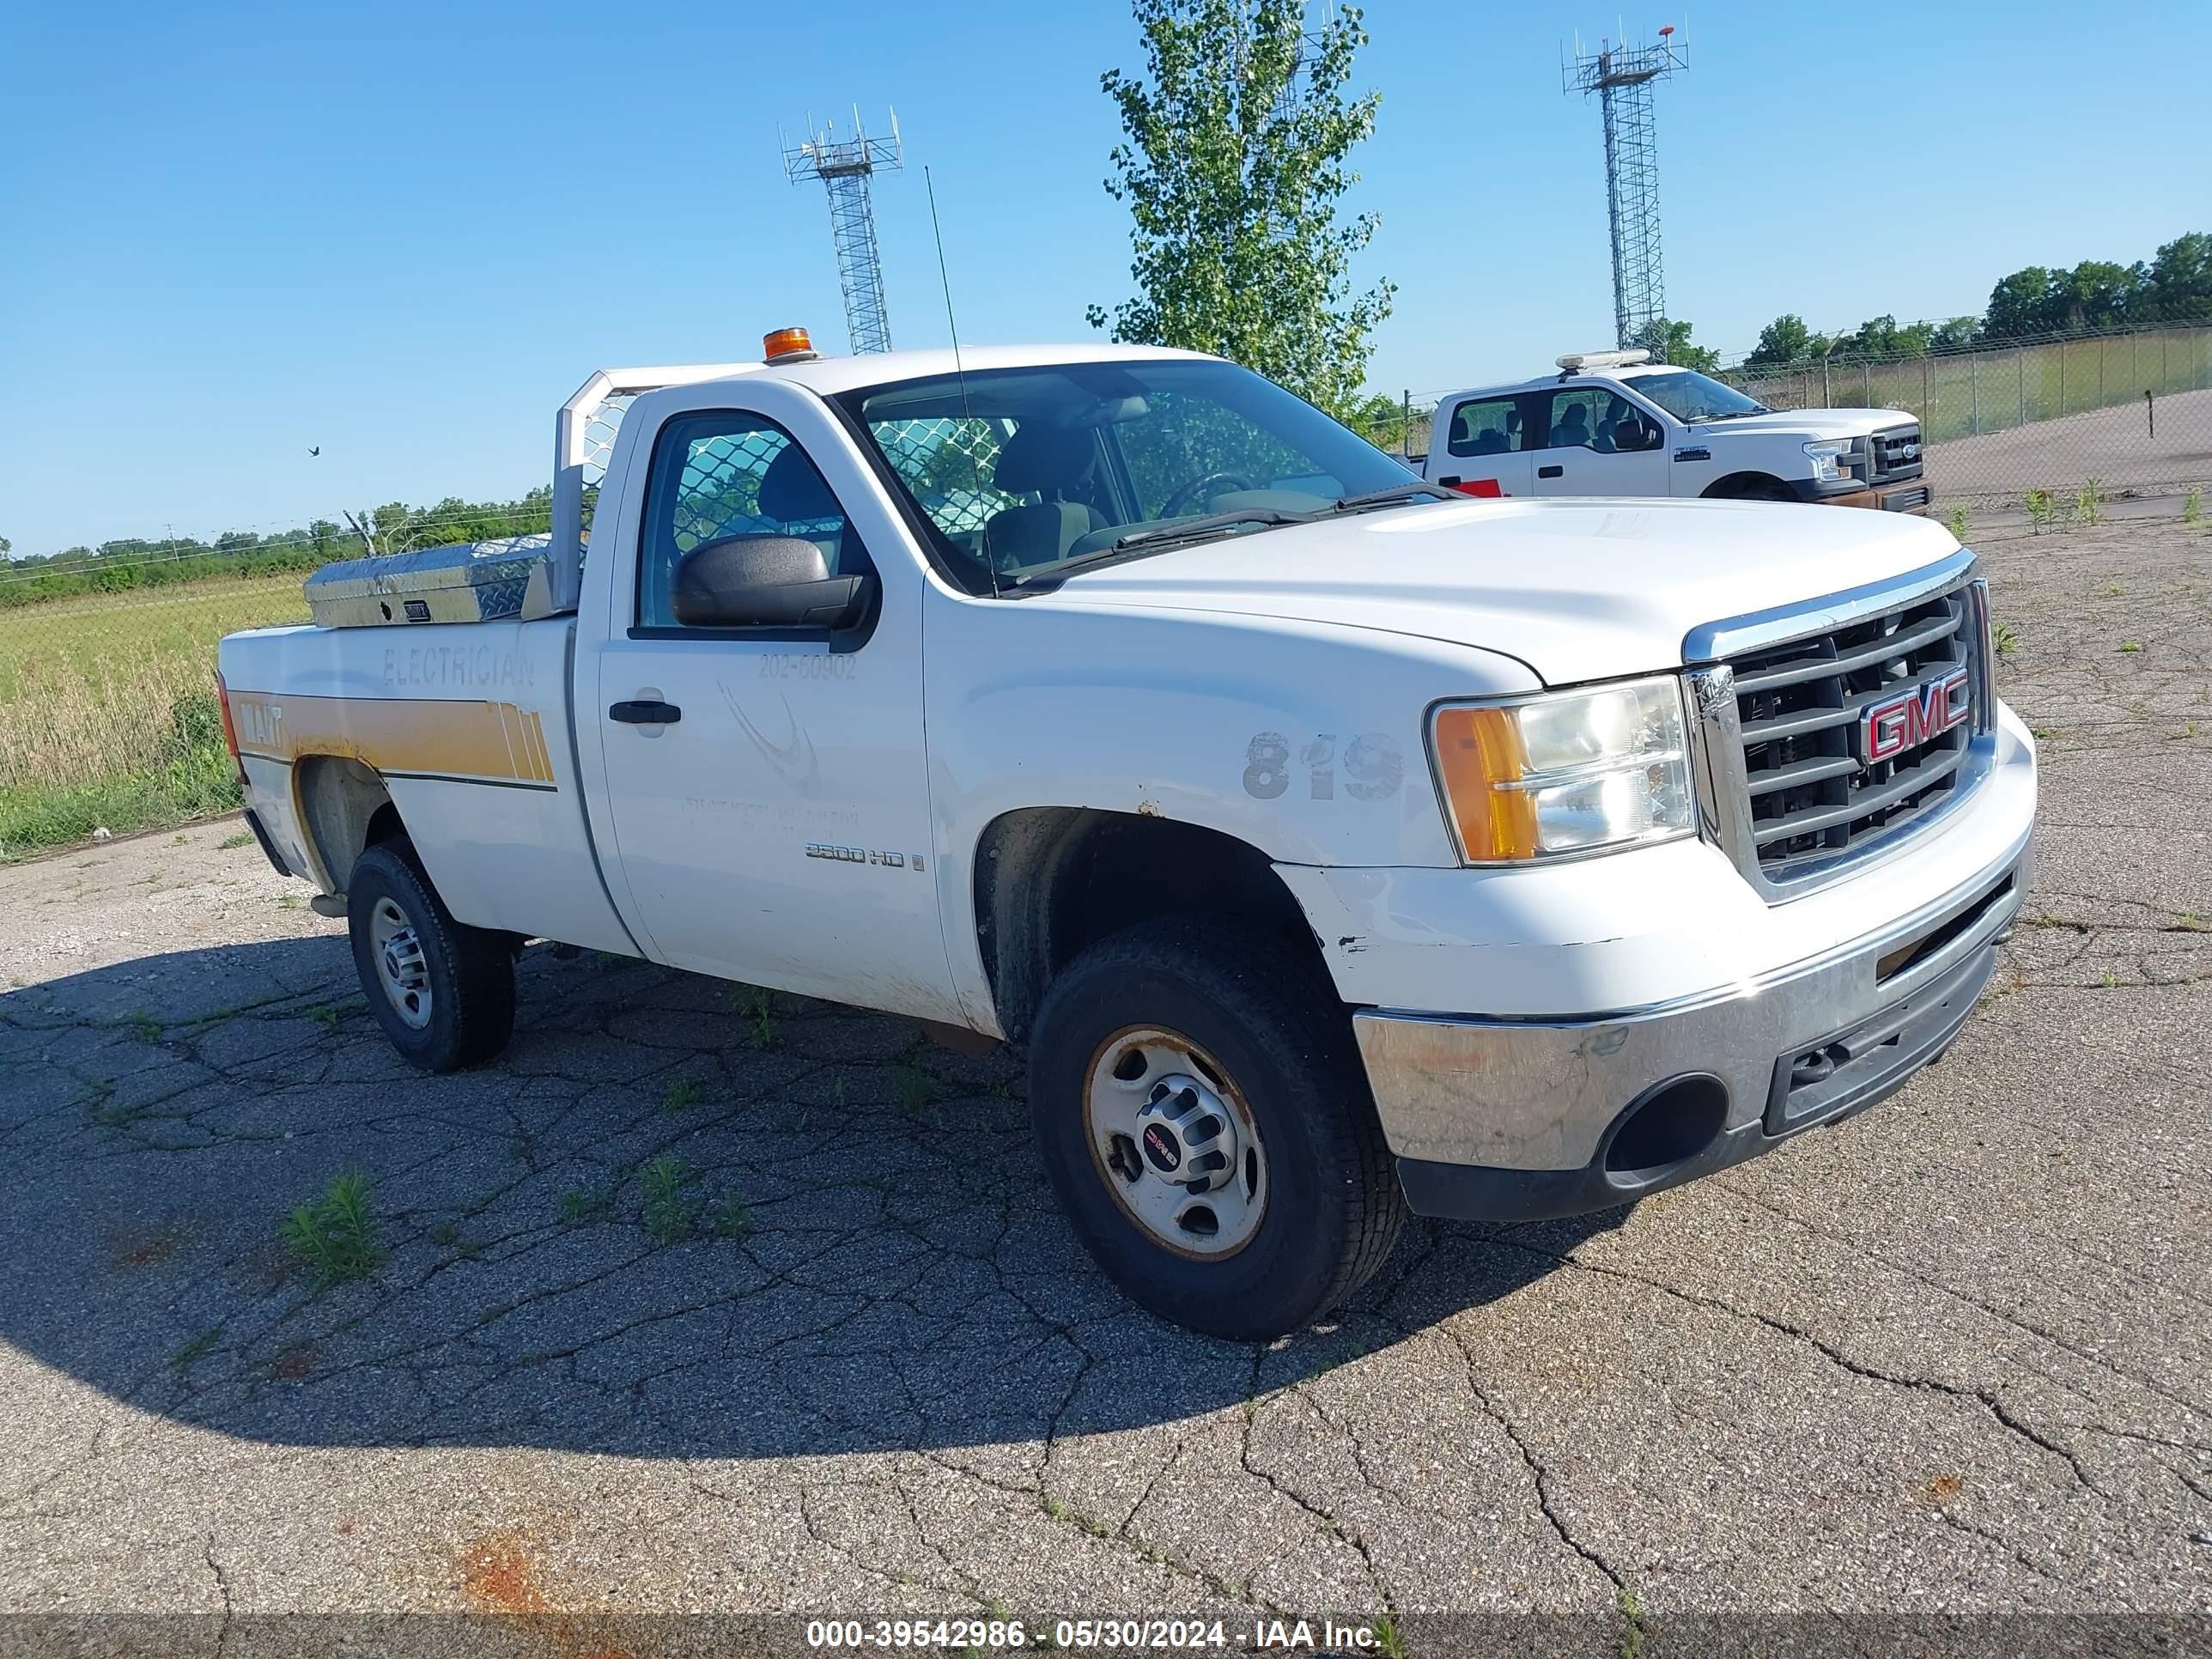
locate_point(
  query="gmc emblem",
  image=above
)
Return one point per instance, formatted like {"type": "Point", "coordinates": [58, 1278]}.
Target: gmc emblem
{"type": "Point", "coordinates": [1908, 719]}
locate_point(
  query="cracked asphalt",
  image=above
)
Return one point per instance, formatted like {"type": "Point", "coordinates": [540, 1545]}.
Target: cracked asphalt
{"type": "Point", "coordinates": [840, 1353]}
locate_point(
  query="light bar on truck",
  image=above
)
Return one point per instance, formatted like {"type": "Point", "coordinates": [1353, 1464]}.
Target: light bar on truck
{"type": "Point", "coordinates": [1575, 362]}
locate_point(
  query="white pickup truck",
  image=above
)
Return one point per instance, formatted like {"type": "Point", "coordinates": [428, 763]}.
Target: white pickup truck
{"type": "Point", "coordinates": [1334, 845]}
{"type": "Point", "coordinates": [1614, 424]}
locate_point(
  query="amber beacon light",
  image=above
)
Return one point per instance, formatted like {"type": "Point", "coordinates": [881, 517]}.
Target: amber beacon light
{"type": "Point", "coordinates": [785, 345]}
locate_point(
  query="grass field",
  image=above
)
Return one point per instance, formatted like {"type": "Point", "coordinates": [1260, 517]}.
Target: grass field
{"type": "Point", "coordinates": [108, 709]}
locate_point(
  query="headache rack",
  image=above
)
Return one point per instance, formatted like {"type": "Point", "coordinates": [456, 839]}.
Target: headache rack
{"type": "Point", "coordinates": [583, 443]}
{"type": "Point", "coordinates": [1795, 782]}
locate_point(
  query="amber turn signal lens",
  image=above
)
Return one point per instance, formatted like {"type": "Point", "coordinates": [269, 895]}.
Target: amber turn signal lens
{"type": "Point", "coordinates": [785, 342]}
{"type": "Point", "coordinates": [1477, 750]}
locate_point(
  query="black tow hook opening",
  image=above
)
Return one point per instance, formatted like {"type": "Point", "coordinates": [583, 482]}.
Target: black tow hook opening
{"type": "Point", "coordinates": [1666, 1127]}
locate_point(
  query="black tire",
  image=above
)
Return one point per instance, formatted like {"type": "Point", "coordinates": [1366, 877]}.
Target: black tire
{"type": "Point", "coordinates": [1276, 1029]}
{"type": "Point", "coordinates": [465, 1000]}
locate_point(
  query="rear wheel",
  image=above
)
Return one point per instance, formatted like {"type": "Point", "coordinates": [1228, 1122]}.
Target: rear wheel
{"type": "Point", "coordinates": [1206, 1123]}
{"type": "Point", "coordinates": [443, 991]}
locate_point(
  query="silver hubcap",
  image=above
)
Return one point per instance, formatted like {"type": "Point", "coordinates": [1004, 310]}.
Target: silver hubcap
{"type": "Point", "coordinates": [400, 967]}
{"type": "Point", "coordinates": [1174, 1143]}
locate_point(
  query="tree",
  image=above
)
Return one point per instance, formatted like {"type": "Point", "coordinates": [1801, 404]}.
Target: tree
{"type": "Point", "coordinates": [1380, 419]}
{"type": "Point", "coordinates": [1677, 349]}
{"type": "Point", "coordinates": [6, 547]}
{"type": "Point", "coordinates": [1232, 168]}
{"type": "Point", "coordinates": [1785, 341]}
{"type": "Point", "coordinates": [2178, 283]}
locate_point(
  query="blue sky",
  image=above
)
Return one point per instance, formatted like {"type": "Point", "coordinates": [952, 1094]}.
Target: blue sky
{"type": "Point", "coordinates": [406, 232]}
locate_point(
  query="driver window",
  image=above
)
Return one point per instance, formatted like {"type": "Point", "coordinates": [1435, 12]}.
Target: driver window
{"type": "Point", "coordinates": [1623, 429]}
{"type": "Point", "coordinates": [732, 474]}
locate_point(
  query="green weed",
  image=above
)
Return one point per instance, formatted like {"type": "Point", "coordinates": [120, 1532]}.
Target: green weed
{"type": "Point", "coordinates": [913, 1087]}
{"type": "Point", "coordinates": [232, 843]}
{"type": "Point", "coordinates": [680, 1095]}
{"type": "Point", "coordinates": [1631, 1615]}
{"type": "Point", "coordinates": [1390, 1641]}
{"type": "Point", "coordinates": [669, 1213]}
{"type": "Point", "coordinates": [2193, 507]}
{"type": "Point", "coordinates": [194, 1348]}
{"type": "Point", "coordinates": [2042, 509]}
{"type": "Point", "coordinates": [762, 1002]}
{"type": "Point", "coordinates": [144, 1026]}
{"type": "Point", "coordinates": [447, 1235]}
{"type": "Point", "coordinates": [2003, 635]}
{"type": "Point", "coordinates": [579, 1205]}
{"type": "Point", "coordinates": [1958, 522]}
{"type": "Point", "coordinates": [2088, 500]}
{"type": "Point", "coordinates": [2129, 647]}
{"type": "Point", "coordinates": [728, 1218]}
{"type": "Point", "coordinates": [336, 1234]}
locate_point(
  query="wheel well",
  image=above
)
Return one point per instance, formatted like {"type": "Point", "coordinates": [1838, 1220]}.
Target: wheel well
{"type": "Point", "coordinates": [1737, 483]}
{"type": "Point", "coordinates": [345, 809]}
{"type": "Point", "coordinates": [1050, 881]}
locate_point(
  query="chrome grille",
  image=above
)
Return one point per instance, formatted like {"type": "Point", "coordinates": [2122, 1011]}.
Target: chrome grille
{"type": "Point", "coordinates": [1800, 705]}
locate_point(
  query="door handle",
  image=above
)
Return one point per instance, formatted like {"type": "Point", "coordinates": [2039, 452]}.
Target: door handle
{"type": "Point", "coordinates": [1549, 472]}
{"type": "Point", "coordinates": [1449, 481]}
{"type": "Point", "coordinates": [646, 713]}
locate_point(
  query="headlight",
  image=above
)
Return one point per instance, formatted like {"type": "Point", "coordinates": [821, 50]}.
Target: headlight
{"type": "Point", "coordinates": [1564, 772]}
{"type": "Point", "coordinates": [1827, 458]}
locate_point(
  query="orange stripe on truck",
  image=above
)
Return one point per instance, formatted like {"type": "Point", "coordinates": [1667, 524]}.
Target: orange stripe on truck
{"type": "Point", "coordinates": [491, 742]}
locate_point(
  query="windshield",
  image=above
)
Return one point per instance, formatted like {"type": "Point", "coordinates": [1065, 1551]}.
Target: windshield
{"type": "Point", "coordinates": [1689, 396]}
{"type": "Point", "coordinates": [1021, 470]}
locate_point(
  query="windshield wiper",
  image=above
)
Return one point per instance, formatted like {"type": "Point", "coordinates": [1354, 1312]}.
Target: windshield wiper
{"type": "Point", "coordinates": [1395, 493]}
{"type": "Point", "coordinates": [1211, 524]}
{"type": "Point", "coordinates": [1739, 414]}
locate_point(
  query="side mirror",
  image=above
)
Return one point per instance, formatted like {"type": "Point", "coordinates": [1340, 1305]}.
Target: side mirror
{"type": "Point", "coordinates": [765, 582]}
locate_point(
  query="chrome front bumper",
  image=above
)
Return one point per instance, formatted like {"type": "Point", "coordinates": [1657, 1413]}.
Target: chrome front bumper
{"type": "Point", "coordinates": [1517, 1118]}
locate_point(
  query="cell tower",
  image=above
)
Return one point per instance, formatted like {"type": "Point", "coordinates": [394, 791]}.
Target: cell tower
{"type": "Point", "coordinates": [1622, 76]}
{"type": "Point", "coordinates": [844, 166]}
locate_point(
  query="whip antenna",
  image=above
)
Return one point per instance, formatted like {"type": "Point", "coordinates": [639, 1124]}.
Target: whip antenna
{"type": "Point", "coordinates": [959, 371]}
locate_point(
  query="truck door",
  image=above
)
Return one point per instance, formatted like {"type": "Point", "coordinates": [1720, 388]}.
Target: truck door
{"type": "Point", "coordinates": [768, 787]}
{"type": "Point", "coordinates": [1481, 448]}
{"type": "Point", "coordinates": [1593, 441]}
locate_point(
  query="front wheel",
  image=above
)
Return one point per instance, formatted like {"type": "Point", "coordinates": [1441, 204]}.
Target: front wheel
{"type": "Point", "coordinates": [1206, 1123]}
{"type": "Point", "coordinates": [1754, 489]}
{"type": "Point", "coordinates": [443, 991]}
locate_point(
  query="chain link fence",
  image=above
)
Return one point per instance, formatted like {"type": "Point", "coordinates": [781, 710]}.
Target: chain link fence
{"type": "Point", "coordinates": [2019, 435]}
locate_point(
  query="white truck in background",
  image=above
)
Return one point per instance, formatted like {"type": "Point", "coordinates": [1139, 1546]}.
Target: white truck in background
{"type": "Point", "coordinates": [1334, 846]}
{"type": "Point", "coordinates": [1615, 423]}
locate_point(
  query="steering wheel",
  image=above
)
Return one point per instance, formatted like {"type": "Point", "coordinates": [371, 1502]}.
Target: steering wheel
{"type": "Point", "coordinates": [1190, 492]}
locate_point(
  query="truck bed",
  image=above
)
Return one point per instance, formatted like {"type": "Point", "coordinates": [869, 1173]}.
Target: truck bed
{"type": "Point", "coordinates": [469, 726]}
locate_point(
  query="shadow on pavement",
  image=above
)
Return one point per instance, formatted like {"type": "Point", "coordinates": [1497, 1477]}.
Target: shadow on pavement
{"type": "Point", "coordinates": [680, 1218]}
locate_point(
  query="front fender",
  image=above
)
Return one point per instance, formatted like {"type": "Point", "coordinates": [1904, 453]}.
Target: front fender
{"type": "Point", "coordinates": [1303, 741]}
